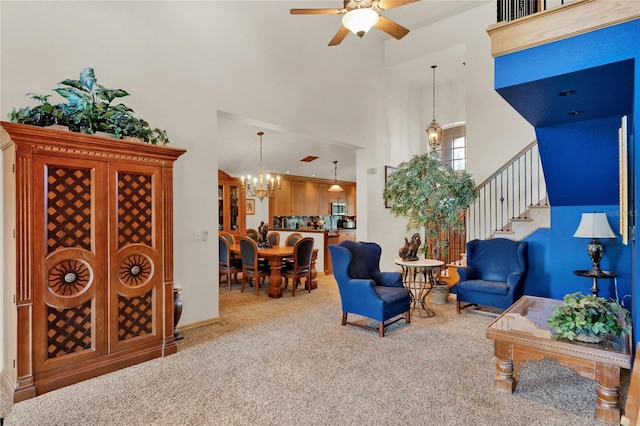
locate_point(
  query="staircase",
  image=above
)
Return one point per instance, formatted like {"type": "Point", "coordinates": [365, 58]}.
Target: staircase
{"type": "Point", "coordinates": [512, 202]}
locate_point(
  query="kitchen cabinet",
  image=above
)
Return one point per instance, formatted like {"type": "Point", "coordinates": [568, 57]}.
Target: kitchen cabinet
{"type": "Point", "coordinates": [300, 196]}
{"type": "Point", "coordinates": [88, 256]}
{"type": "Point", "coordinates": [317, 199]}
{"type": "Point", "coordinates": [323, 206]}
{"type": "Point", "coordinates": [280, 204]}
{"type": "Point", "coordinates": [231, 204]}
{"type": "Point", "coordinates": [344, 235]}
{"type": "Point", "coordinates": [350, 197]}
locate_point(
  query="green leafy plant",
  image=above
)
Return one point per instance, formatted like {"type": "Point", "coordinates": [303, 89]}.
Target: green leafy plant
{"type": "Point", "coordinates": [89, 109]}
{"type": "Point", "coordinates": [431, 196]}
{"type": "Point", "coordinates": [589, 315]}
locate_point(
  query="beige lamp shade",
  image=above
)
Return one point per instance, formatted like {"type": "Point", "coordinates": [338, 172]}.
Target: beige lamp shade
{"type": "Point", "coordinates": [594, 225]}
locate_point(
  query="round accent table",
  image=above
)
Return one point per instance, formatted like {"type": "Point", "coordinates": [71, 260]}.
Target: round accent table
{"type": "Point", "coordinates": [419, 277]}
{"type": "Point", "coordinates": [595, 275]}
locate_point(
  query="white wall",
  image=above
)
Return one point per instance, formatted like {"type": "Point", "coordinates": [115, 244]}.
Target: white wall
{"type": "Point", "coordinates": [184, 61]}
{"type": "Point", "coordinates": [495, 132]}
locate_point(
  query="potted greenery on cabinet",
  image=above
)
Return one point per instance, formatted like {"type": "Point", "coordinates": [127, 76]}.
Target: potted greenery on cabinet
{"type": "Point", "coordinates": [89, 109]}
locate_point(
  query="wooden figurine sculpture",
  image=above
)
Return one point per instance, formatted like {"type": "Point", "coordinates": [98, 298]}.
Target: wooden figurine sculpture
{"type": "Point", "coordinates": [263, 229]}
{"type": "Point", "coordinates": [410, 249]}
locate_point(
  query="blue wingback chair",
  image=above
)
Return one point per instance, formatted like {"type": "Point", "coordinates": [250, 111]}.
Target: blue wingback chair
{"type": "Point", "coordinates": [366, 291]}
{"type": "Point", "coordinates": [494, 275]}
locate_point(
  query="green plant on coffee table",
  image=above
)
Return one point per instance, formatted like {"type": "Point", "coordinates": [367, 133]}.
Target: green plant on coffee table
{"type": "Point", "coordinates": [589, 315]}
{"type": "Point", "coordinates": [89, 109]}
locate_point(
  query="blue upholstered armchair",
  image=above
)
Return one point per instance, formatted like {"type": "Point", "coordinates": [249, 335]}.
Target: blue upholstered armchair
{"type": "Point", "coordinates": [494, 275]}
{"type": "Point", "coordinates": [366, 291]}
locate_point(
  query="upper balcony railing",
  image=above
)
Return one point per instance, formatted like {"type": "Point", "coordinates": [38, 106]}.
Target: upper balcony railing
{"type": "Point", "coordinates": [523, 24]}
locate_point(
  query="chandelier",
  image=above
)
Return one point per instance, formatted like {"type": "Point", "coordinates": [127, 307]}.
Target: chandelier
{"type": "Point", "coordinates": [335, 187]}
{"type": "Point", "coordinates": [434, 131]}
{"type": "Point", "coordinates": [262, 186]}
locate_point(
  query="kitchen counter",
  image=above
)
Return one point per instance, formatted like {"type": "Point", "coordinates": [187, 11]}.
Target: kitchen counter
{"type": "Point", "coordinates": [330, 231]}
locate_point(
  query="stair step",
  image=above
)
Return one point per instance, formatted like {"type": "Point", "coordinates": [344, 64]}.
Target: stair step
{"type": "Point", "coordinates": [539, 206]}
{"type": "Point", "coordinates": [503, 232]}
{"type": "Point", "coordinates": [517, 219]}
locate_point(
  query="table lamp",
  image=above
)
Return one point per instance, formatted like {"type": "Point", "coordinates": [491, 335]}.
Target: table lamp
{"type": "Point", "coordinates": [594, 225]}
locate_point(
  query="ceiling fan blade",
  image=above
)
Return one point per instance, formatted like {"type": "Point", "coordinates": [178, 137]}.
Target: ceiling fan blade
{"type": "Point", "coordinates": [340, 35]}
{"type": "Point", "coordinates": [395, 30]}
{"type": "Point", "coordinates": [316, 11]}
{"type": "Point", "coordinates": [390, 4]}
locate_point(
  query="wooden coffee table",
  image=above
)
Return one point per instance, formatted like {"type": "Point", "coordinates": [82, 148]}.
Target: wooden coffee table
{"type": "Point", "coordinates": [521, 333]}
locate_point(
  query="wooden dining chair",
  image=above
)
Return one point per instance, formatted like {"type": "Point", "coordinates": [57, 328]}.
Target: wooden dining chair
{"type": "Point", "coordinates": [229, 237]}
{"type": "Point", "coordinates": [227, 265]}
{"type": "Point", "coordinates": [252, 268]}
{"type": "Point", "coordinates": [292, 239]}
{"type": "Point", "coordinates": [301, 266]}
{"type": "Point", "coordinates": [253, 234]}
{"type": "Point", "coordinates": [273, 238]}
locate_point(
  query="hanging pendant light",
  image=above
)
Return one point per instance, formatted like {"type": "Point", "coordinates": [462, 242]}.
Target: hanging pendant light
{"type": "Point", "coordinates": [434, 131]}
{"type": "Point", "coordinates": [335, 187]}
{"type": "Point", "coordinates": [260, 187]}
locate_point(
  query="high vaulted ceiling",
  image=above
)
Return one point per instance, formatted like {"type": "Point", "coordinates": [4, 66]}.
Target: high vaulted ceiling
{"type": "Point", "coordinates": [238, 147]}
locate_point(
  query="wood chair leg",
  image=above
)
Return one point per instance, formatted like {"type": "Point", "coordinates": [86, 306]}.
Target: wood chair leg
{"type": "Point", "coordinates": [457, 306]}
{"type": "Point", "coordinates": [229, 279]}
{"type": "Point", "coordinates": [408, 316]}
{"type": "Point", "coordinates": [244, 278]}
{"type": "Point", "coordinates": [258, 286]}
{"type": "Point", "coordinates": [344, 318]}
{"type": "Point", "coordinates": [381, 329]}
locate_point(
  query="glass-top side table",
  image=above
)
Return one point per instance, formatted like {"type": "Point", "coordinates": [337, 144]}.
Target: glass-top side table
{"type": "Point", "coordinates": [419, 277]}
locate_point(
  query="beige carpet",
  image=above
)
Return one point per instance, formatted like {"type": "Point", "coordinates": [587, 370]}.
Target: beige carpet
{"type": "Point", "coordinates": [289, 362]}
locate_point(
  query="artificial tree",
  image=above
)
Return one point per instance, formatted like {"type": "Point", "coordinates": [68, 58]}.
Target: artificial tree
{"type": "Point", "coordinates": [432, 197]}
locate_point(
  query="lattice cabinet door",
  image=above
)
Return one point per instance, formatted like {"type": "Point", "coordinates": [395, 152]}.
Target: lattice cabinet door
{"type": "Point", "coordinates": [70, 256]}
{"type": "Point", "coordinates": [136, 284]}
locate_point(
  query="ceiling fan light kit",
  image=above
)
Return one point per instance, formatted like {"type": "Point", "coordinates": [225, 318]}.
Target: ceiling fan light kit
{"type": "Point", "coordinates": [360, 16]}
{"type": "Point", "coordinates": [359, 21]}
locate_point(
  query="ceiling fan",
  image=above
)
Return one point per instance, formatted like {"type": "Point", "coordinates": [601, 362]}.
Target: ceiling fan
{"type": "Point", "coordinates": [360, 16]}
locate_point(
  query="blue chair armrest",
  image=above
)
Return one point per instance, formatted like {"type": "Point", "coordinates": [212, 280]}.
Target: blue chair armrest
{"type": "Point", "coordinates": [514, 279]}
{"type": "Point", "coordinates": [389, 279]}
{"type": "Point", "coordinates": [467, 273]}
{"type": "Point", "coordinates": [362, 288]}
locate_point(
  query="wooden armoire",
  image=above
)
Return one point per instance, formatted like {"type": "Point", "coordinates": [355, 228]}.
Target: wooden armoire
{"type": "Point", "coordinates": [88, 256]}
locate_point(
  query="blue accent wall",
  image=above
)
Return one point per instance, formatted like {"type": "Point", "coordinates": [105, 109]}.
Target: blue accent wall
{"type": "Point", "coordinates": [568, 253]}
{"type": "Point", "coordinates": [580, 161]}
{"type": "Point", "coordinates": [578, 141]}
{"type": "Point", "coordinates": [537, 282]}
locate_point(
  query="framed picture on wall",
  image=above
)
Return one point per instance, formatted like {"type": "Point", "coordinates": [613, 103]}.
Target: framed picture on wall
{"type": "Point", "coordinates": [251, 206]}
{"type": "Point", "coordinates": [624, 181]}
{"type": "Point", "coordinates": [388, 171]}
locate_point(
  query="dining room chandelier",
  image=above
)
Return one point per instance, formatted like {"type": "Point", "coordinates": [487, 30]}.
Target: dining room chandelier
{"type": "Point", "coordinates": [434, 131]}
{"type": "Point", "coordinates": [261, 186]}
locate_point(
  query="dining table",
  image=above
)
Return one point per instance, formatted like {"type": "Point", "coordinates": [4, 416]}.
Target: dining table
{"type": "Point", "coordinates": [276, 255]}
